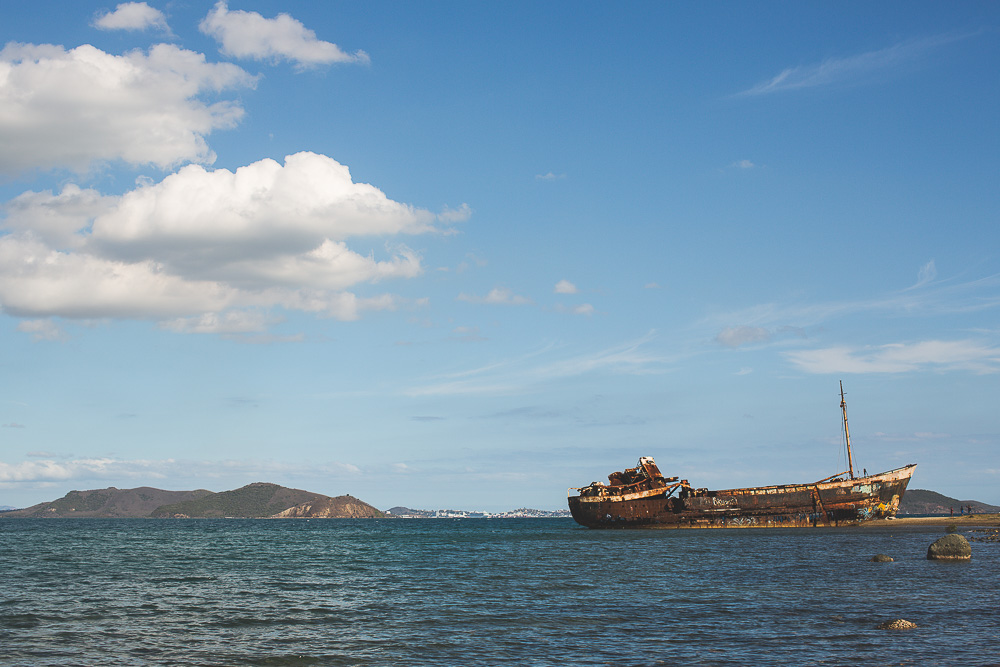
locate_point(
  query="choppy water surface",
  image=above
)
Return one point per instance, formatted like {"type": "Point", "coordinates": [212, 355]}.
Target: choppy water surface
{"type": "Point", "coordinates": [485, 592]}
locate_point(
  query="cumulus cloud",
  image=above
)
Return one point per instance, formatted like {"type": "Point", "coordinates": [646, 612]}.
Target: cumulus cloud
{"type": "Point", "coordinates": [56, 219]}
{"type": "Point", "coordinates": [132, 16]}
{"type": "Point", "coordinates": [901, 358]}
{"type": "Point", "coordinates": [565, 287]}
{"type": "Point", "coordinates": [73, 108]}
{"type": "Point", "coordinates": [496, 296]}
{"type": "Point", "coordinates": [235, 219]}
{"type": "Point", "coordinates": [550, 176]}
{"type": "Point", "coordinates": [742, 335]}
{"type": "Point", "coordinates": [245, 34]}
{"type": "Point", "coordinates": [208, 250]}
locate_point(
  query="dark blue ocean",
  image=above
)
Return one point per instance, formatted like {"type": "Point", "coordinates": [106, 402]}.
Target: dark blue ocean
{"type": "Point", "coordinates": [483, 592]}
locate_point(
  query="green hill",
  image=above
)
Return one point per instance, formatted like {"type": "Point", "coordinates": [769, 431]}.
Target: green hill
{"type": "Point", "coordinates": [110, 503]}
{"type": "Point", "coordinates": [253, 501]}
{"type": "Point", "coordinates": [922, 501]}
{"type": "Point", "coordinates": [258, 500]}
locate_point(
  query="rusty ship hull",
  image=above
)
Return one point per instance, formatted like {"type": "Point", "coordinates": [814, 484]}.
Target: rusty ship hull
{"type": "Point", "coordinates": [653, 501]}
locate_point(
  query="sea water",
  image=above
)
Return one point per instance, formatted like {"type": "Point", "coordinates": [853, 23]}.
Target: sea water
{"type": "Point", "coordinates": [483, 592]}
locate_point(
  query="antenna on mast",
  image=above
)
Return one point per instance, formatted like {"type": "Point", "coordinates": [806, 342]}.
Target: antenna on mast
{"type": "Point", "coordinates": [847, 432]}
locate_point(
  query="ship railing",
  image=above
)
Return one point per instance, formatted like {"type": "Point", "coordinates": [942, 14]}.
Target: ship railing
{"type": "Point", "coordinates": [832, 478]}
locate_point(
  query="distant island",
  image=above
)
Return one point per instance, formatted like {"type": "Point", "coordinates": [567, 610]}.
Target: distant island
{"type": "Point", "coordinates": [259, 500]}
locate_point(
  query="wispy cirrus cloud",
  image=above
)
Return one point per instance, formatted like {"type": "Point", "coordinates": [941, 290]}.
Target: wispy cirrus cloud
{"type": "Point", "coordinates": [531, 370]}
{"type": "Point", "coordinates": [776, 323]}
{"type": "Point", "coordinates": [849, 69]}
{"type": "Point", "coordinates": [467, 334]}
{"type": "Point", "coordinates": [742, 335]}
{"type": "Point", "coordinates": [110, 468]}
{"type": "Point", "coordinates": [968, 355]}
{"type": "Point", "coordinates": [586, 309]}
{"type": "Point", "coordinates": [42, 330]}
{"type": "Point", "coordinates": [502, 296]}
{"type": "Point", "coordinates": [926, 275]}
{"type": "Point", "coordinates": [928, 297]}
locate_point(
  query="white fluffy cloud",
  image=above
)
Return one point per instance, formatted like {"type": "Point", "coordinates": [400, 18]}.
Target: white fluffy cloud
{"type": "Point", "coordinates": [249, 35]}
{"type": "Point", "coordinates": [565, 287]}
{"type": "Point", "coordinates": [73, 108]}
{"type": "Point", "coordinates": [205, 250]}
{"type": "Point", "coordinates": [257, 211]}
{"type": "Point", "coordinates": [56, 219]}
{"type": "Point", "coordinates": [132, 16]}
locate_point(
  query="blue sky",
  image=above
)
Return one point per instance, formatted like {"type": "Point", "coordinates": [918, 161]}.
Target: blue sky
{"type": "Point", "coordinates": [467, 255]}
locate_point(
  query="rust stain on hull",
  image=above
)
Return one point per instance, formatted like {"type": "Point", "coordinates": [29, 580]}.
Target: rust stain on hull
{"type": "Point", "coordinates": [642, 497]}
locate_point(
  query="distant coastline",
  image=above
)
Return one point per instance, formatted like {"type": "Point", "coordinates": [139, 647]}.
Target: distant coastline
{"type": "Point", "coordinates": [264, 500]}
{"type": "Point", "coordinates": [260, 500]}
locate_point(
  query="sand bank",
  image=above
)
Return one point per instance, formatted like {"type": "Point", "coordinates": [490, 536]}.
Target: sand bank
{"type": "Point", "coordinates": [964, 521]}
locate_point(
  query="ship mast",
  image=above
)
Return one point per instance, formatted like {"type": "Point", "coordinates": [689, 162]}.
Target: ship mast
{"type": "Point", "coordinates": [847, 432]}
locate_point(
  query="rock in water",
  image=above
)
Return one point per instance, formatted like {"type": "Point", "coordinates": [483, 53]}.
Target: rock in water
{"type": "Point", "coordinates": [898, 624]}
{"type": "Point", "coordinates": [881, 558]}
{"type": "Point", "coordinates": [950, 547]}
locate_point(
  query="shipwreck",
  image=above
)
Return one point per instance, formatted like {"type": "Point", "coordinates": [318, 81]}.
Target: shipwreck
{"type": "Point", "coordinates": [641, 497]}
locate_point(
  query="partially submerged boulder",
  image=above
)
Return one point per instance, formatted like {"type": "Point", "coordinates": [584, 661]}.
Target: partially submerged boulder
{"type": "Point", "coordinates": [897, 624]}
{"type": "Point", "coordinates": [881, 558]}
{"type": "Point", "coordinates": [950, 547]}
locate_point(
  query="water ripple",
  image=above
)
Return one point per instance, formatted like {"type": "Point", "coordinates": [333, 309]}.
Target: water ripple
{"type": "Point", "coordinates": [513, 592]}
